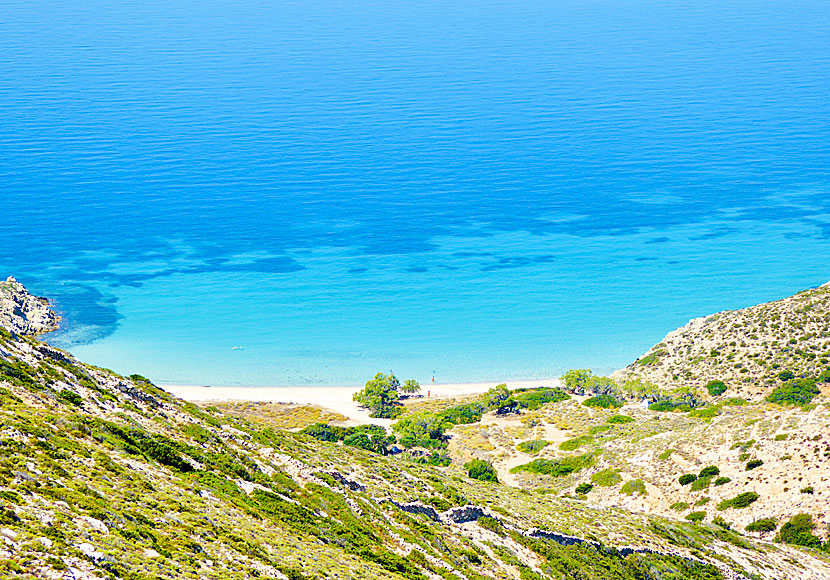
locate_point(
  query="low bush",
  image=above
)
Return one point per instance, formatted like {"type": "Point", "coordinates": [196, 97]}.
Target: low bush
{"type": "Point", "coordinates": [716, 388]}
{"type": "Point", "coordinates": [619, 419]}
{"type": "Point", "coordinates": [603, 402]}
{"type": "Point", "coordinates": [740, 501]}
{"type": "Point", "coordinates": [71, 397]}
{"type": "Point", "coordinates": [709, 471]}
{"type": "Point", "coordinates": [722, 481]}
{"type": "Point", "coordinates": [583, 488]}
{"type": "Point", "coordinates": [607, 477]}
{"type": "Point", "coordinates": [491, 524]}
{"type": "Point", "coordinates": [794, 392]}
{"type": "Point", "coordinates": [634, 487]}
{"type": "Point", "coordinates": [722, 523]}
{"type": "Point", "coordinates": [555, 467]}
{"type": "Point", "coordinates": [533, 446]}
{"type": "Point", "coordinates": [481, 470]}
{"type": "Point", "coordinates": [753, 463]}
{"type": "Point", "coordinates": [762, 525]}
{"type": "Point", "coordinates": [532, 399]}
{"type": "Point", "coordinates": [707, 413]}
{"type": "Point", "coordinates": [701, 483]}
{"type": "Point", "coordinates": [786, 375]}
{"type": "Point", "coordinates": [781, 436]}
{"type": "Point", "coordinates": [808, 490]}
{"type": "Point", "coordinates": [799, 531]}
{"type": "Point", "coordinates": [575, 443]}
{"type": "Point", "coordinates": [680, 506]}
{"type": "Point", "coordinates": [687, 478]}
{"type": "Point", "coordinates": [696, 516]}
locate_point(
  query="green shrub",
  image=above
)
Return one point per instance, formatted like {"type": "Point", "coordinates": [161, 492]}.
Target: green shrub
{"type": "Point", "coordinates": [687, 478]}
{"type": "Point", "coordinates": [583, 488]}
{"type": "Point", "coordinates": [668, 406]}
{"type": "Point", "coordinates": [722, 481]}
{"type": "Point", "coordinates": [808, 490]}
{"type": "Point", "coordinates": [781, 437]}
{"type": "Point", "coordinates": [709, 471]}
{"type": "Point", "coordinates": [607, 477]}
{"type": "Point", "coordinates": [462, 414]}
{"type": "Point", "coordinates": [575, 443]}
{"type": "Point", "coordinates": [794, 392]}
{"type": "Point", "coordinates": [734, 402]}
{"type": "Point", "coordinates": [635, 486]}
{"type": "Point", "coordinates": [753, 463]}
{"type": "Point", "coordinates": [665, 454]}
{"type": "Point", "coordinates": [555, 467]}
{"type": "Point", "coordinates": [762, 525]}
{"type": "Point", "coordinates": [696, 516]}
{"type": "Point", "coordinates": [71, 397]}
{"type": "Point", "coordinates": [740, 501]}
{"type": "Point", "coordinates": [799, 531]}
{"type": "Point", "coordinates": [533, 446]}
{"type": "Point", "coordinates": [680, 506]}
{"type": "Point", "coordinates": [707, 413]}
{"type": "Point", "coordinates": [481, 470]}
{"type": "Point", "coordinates": [491, 524]}
{"type": "Point", "coordinates": [722, 523]}
{"type": "Point", "coordinates": [786, 375]}
{"type": "Point", "coordinates": [603, 402]}
{"type": "Point", "coordinates": [701, 483]}
{"type": "Point", "coordinates": [534, 398]}
{"type": "Point", "coordinates": [716, 388]}
{"type": "Point", "coordinates": [703, 501]}
{"type": "Point", "coordinates": [620, 419]}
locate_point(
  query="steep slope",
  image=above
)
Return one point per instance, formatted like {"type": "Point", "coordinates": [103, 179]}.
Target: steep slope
{"type": "Point", "coordinates": [747, 348]}
{"type": "Point", "coordinates": [103, 476]}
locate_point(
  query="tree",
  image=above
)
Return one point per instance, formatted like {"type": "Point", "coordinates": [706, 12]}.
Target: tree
{"type": "Point", "coordinates": [497, 396]}
{"type": "Point", "coordinates": [481, 470]}
{"type": "Point", "coordinates": [410, 387]}
{"type": "Point", "coordinates": [380, 396]}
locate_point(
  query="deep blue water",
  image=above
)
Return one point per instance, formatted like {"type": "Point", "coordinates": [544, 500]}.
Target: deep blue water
{"type": "Point", "coordinates": [251, 192]}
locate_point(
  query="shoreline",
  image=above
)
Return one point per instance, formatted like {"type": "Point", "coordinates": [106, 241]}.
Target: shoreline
{"type": "Point", "coordinates": [338, 399]}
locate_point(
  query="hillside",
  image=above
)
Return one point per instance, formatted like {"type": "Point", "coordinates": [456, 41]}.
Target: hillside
{"type": "Point", "coordinates": [104, 476]}
{"type": "Point", "coordinates": [748, 348]}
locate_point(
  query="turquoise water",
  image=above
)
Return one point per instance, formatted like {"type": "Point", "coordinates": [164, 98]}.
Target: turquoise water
{"type": "Point", "coordinates": [281, 193]}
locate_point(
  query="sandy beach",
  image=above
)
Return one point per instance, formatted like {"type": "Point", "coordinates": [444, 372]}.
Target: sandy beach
{"type": "Point", "coordinates": [337, 399]}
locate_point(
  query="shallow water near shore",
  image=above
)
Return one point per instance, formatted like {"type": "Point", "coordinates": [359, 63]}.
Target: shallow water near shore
{"type": "Point", "coordinates": [288, 193]}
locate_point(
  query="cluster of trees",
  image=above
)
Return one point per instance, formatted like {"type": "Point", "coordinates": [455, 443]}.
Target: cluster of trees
{"type": "Point", "coordinates": [382, 395]}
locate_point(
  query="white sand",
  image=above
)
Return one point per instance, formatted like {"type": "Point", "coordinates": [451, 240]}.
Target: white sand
{"type": "Point", "coordinates": [337, 399]}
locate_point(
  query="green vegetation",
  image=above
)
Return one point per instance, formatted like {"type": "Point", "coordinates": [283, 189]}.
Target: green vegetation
{"type": "Point", "coordinates": [701, 483]}
{"type": "Point", "coordinates": [716, 387]}
{"type": "Point", "coordinates": [687, 478]}
{"type": "Point", "coordinates": [808, 490]}
{"type": "Point", "coordinates": [740, 501]}
{"type": "Point", "coordinates": [381, 396]}
{"type": "Point", "coordinates": [665, 454]}
{"type": "Point", "coordinates": [799, 531]}
{"type": "Point", "coordinates": [722, 481]}
{"type": "Point", "coordinates": [607, 477]}
{"type": "Point", "coordinates": [575, 443]}
{"type": "Point", "coordinates": [620, 419]}
{"type": "Point", "coordinates": [481, 470]}
{"type": "Point", "coordinates": [369, 437]}
{"type": "Point", "coordinates": [533, 446]}
{"type": "Point", "coordinates": [71, 397]}
{"type": "Point", "coordinates": [603, 402]}
{"type": "Point", "coordinates": [555, 467]}
{"type": "Point", "coordinates": [679, 506]}
{"type": "Point", "coordinates": [696, 516]}
{"type": "Point", "coordinates": [583, 488]}
{"type": "Point", "coordinates": [794, 392]}
{"type": "Point", "coordinates": [753, 463]}
{"type": "Point", "coordinates": [762, 525]}
{"type": "Point", "coordinates": [634, 487]}
{"type": "Point", "coordinates": [709, 471]}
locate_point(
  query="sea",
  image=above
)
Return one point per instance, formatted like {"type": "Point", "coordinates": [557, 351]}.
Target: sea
{"type": "Point", "coordinates": [283, 192]}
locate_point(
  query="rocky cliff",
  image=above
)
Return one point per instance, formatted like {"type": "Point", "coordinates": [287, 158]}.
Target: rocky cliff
{"type": "Point", "coordinates": [23, 313]}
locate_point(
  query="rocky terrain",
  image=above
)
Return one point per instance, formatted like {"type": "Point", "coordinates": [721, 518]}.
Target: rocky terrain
{"type": "Point", "coordinates": [104, 476]}
{"type": "Point", "coordinates": [22, 313]}
{"type": "Point", "coordinates": [747, 348]}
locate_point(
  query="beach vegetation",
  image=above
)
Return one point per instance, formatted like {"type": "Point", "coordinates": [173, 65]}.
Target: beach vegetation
{"type": "Point", "coordinates": [381, 397]}
{"type": "Point", "coordinates": [603, 402]}
{"type": "Point", "coordinates": [410, 387]}
{"type": "Point", "coordinates": [619, 419]}
{"type": "Point", "coordinates": [555, 467]}
{"type": "Point", "coordinates": [709, 471]}
{"type": "Point", "coordinates": [753, 463]}
{"type": "Point", "coordinates": [606, 477]}
{"type": "Point", "coordinates": [584, 488]}
{"type": "Point", "coordinates": [740, 501]}
{"type": "Point", "coordinates": [687, 479]}
{"type": "Point", "coordinates": [634, 487]}
{"type": "Point", "coordinates": [696, 516]}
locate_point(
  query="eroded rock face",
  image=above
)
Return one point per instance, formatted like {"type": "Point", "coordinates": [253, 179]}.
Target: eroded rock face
{"type": "Point", "coordinates": [23, 313]}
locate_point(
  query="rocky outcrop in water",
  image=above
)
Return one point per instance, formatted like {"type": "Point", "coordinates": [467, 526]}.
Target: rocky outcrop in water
{"type": "Point", "coordinates": [23, 313]}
